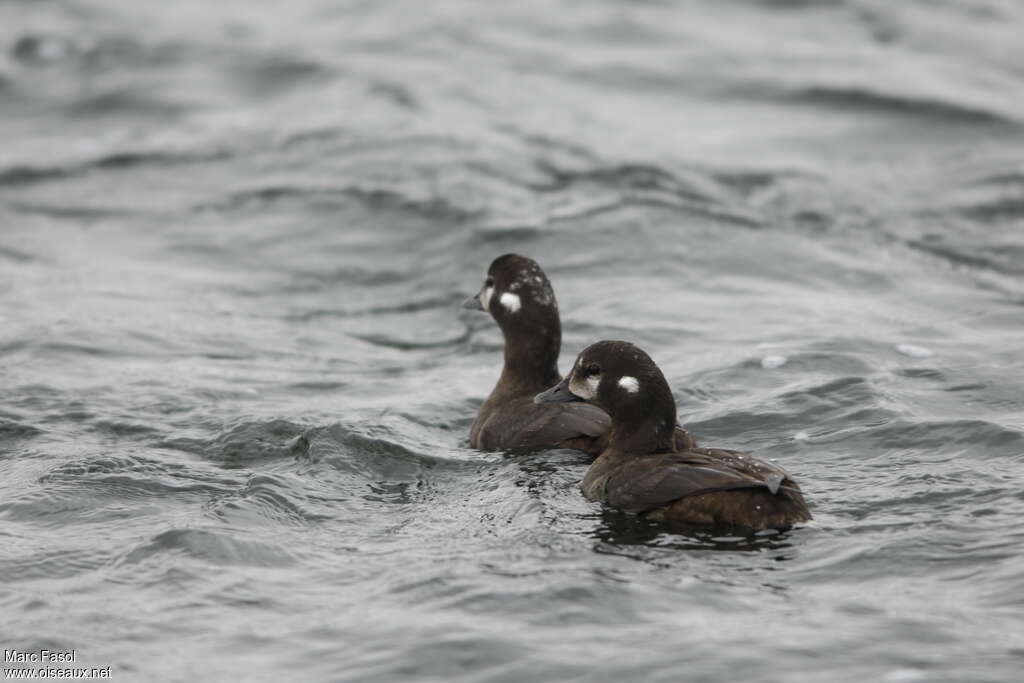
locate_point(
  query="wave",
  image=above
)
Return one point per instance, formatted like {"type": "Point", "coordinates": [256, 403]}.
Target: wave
{"type": "Point", "coordinates": [215, 546]}
{"type": "Point", "coordinates": [984, 439]}
{"type": "Point", "coordinates": [448, 301]}
{"type": "Point", "coordinates": [136, 476]}
{"type": "Point", "coordinates": [434, 208]}
{"type": "Point", "coordinates": [273, 497]}
{"type": "Point", "coordinates": [124, 103]}
{"type": "Point", "coordinates": [16, 255]}
{"type": "Point", "coordinates": [13, 429]}
{"type": "Point", "coordinates": [1006, 259]}
{"type": "Point", "coordinates": [564, 194]}
{"type": "Point", "coordinates": [889, 104]}
{"type": "Point", "coordinates": [52, 564]}
{"type": "Point", "coordinates": [26, 175]}
{"type": "Point", "coordinates": [98, 53]}
{"type": "Point", "coordinates": [391, 342]}
{"type": "Point", "coordinates": [248, 442]}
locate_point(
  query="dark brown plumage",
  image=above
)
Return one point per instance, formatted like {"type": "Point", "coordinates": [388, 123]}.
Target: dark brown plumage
{"type": "Point", "coordinates": [645, 469]}
{"type": "Point", "coordinates": [519, 297]}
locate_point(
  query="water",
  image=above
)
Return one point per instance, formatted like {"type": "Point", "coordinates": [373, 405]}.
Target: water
{"type": "Point", "coordinates": [236, 386]}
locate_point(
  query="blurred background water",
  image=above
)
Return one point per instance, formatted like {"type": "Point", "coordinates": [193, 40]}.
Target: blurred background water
{"type": "Point", "coordinates": [235, 383]}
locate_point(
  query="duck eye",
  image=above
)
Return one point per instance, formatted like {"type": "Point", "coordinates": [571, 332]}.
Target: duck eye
{"type": "Point", "coordinates": [489, 282]}
{"type": "Point", "coordinates": [593, 369]}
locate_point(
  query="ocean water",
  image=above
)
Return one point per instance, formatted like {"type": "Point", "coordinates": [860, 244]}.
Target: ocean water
{"type": "Point", "coordinates": [236, 384]}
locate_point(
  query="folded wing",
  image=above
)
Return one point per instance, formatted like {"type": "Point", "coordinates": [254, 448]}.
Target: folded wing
{"type": "Point", "coordinates": [653, 481]}
{"type": "Point", "coordinates": [555, 423]}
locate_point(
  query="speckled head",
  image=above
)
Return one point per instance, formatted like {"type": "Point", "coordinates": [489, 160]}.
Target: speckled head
{"type": "Point", "coordinates": [623, 380]}
{"type": "Point", "coordinates": [518, 294]}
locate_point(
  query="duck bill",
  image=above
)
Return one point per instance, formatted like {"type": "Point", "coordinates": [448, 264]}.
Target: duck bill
{"type": "Point", "coordinates": [473, 303]}
{"type": "Point", "coordinates": [557, 394]}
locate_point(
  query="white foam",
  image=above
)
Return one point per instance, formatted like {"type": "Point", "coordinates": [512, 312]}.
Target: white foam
{"type": "Point", "coordinates": [511, 302]}
{"type": "Point", "coordinates": [630, 384]}
{"type": "Point", "coordinates": [914, 351]}
{"type": "Point", "coordinates": [801, 436]}
{"type": "Point", "coordinates": [772, 362]}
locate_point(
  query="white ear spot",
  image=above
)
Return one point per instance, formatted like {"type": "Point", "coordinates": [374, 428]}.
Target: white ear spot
{"type": "Point", "coordinates": [511, 302]}
{"type": "Point", "coordinates": [485, 298]}
{"type": "Point", "coordinates": [630, 384]}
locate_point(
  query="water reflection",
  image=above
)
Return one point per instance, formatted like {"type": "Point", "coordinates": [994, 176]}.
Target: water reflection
{"type": "Point", "coordinates": [619, 529]}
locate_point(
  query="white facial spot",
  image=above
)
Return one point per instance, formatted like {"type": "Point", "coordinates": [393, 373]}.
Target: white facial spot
{"type": "Point", "coordinates": [511, 302]}
{"type": "Point", "coordinates": [585, 388]}
{"type": "Point", "coordinates": [630, 384]}
{"type": "Point", "coordinates": [485, 298]}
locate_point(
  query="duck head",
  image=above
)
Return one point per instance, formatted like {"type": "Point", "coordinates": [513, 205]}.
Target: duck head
{"type": "Point", "coordinates": [515, 290]}
{"type": "Point", "coordinates": [622, 380]}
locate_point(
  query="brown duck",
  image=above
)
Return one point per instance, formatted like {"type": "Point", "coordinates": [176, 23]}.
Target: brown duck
{"type": "Point", "coordinates": [519, 297]}
{"type": "Point", "coordinates": [644, 469]}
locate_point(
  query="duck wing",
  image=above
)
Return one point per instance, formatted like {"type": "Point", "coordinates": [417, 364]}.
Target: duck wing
{"type": "Point", "coordinates": [555, 423]}
{"type": "Point", "coordinates": [773, 475]}
{"type": "Point", "coordinates": [653, 481]}
{"type": "Point", "coordinates": [523, 424]}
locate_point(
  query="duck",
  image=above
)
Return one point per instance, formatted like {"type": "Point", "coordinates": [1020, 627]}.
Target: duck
{"type": "Point", "coordinates": [645, 470]}
{"type": "Point", "coordinates": [518, 296]}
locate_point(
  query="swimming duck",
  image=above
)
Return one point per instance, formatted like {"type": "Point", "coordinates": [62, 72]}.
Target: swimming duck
{"type": "Point", "coordinates": [519, 297]}
{"type": "Point", "coordinates": [644, 469]}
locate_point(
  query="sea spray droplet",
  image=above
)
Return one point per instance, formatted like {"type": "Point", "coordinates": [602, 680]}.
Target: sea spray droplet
{"type": "Point", "coordinates": [771, 362]}
{"type": "Point", "coordinates": [913, 351]}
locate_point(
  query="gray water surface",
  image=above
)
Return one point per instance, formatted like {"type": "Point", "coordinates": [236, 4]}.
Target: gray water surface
{"type": "Point", "coordinates": [236, 385]}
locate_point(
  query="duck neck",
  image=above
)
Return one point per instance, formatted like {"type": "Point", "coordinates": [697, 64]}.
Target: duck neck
{"type": "Point", "coordinates": [652, 434]}
{"type": "Point", "coordinates": [646, 426]}
{"type": "Point", "coordinates": [531, 360]}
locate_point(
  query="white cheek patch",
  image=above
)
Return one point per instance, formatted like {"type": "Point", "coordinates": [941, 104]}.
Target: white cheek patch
{"type": "Point", "coordinates": [485, 298]}
{"type": "Point", "coordinates": [585, 389]}
{"type": "Point", "coordinates": [511, 302]}
{"type": "Point", "coordinates": [630, 384]}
